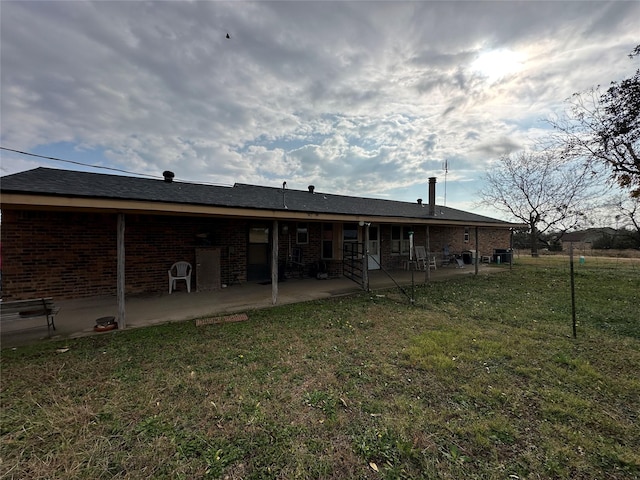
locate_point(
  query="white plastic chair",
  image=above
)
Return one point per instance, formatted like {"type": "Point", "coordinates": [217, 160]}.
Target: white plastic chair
{"type": "Point", "coordinates": [182, 272]}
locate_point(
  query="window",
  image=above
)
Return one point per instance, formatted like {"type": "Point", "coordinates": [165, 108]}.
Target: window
{"type": "Point", "coordinates": [400, 240]}
{"type": "Point", "coordinates": [350, 232]}
{"type": "Point", "coordinates": [258, 235]}
{"type": "Point", "coordinates": [302, 233]}
{"type": "Point", "coordinates": [466, 234]}
{"type": "Point", "coordinates": [396, 240]}
{"type": "Point", "coordinates": [327, 240]}
{"type": "Point", "coordinates": [350, 239]}
{"type": "Point", "coordinates": [406, 244]}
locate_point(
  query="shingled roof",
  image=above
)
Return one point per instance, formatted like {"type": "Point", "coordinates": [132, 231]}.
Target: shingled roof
{"type": "Point", "coordinates": [67, 183]}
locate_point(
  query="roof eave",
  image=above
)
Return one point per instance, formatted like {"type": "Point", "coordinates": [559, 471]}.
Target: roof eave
{"type": "Point", "coordinates": [14, 201]}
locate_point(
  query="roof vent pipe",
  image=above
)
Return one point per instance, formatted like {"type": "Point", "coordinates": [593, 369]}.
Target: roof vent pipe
{"type": "Point", "coordinates": [311, 188]}
{"type": "Point", "coordinates": [168, 176]}
{"type": "Point", "coordinates": [284, 201]}
{"type": "Point", "coordinates": [420, 201]}
{"type": "Point", "coordinates": [432, 196]}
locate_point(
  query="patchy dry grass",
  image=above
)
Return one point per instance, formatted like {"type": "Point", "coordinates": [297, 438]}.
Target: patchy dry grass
{"type": "Point", "coordinates": [480, 379]}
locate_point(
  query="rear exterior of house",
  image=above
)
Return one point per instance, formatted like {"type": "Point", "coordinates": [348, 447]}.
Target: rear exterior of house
{"type": "Point", "coordinates": [61, 231]}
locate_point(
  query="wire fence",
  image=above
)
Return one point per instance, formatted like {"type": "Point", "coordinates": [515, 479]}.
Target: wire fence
{"type": "Point", "coordinates": [583, 259]}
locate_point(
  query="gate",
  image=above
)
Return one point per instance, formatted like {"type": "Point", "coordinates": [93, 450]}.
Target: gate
{"type": "Point", "coordinates": [352, 253]}
{"type": "Point", "coordinates": [352, 267]}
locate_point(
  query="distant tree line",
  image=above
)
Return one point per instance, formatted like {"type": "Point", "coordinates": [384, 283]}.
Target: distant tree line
{"type": "Point", "coordinates": [620, 239]}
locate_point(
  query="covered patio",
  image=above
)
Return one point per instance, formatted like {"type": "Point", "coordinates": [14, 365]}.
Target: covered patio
{"type": "Point", "coordinates": [78, 317]}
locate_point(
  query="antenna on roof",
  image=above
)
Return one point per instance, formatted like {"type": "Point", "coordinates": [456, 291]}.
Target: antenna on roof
{"type": "Point", "coordinates": [446, 170]}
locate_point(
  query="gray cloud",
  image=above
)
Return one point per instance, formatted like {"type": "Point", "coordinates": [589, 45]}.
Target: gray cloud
{"type": "Point", "coordinates": [359, 97]}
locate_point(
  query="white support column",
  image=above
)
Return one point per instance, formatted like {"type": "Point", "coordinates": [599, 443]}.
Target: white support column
{"type": "Point", "coordinates": [122, 321]}
{"type": "Point", "coordinates": [365, 258]}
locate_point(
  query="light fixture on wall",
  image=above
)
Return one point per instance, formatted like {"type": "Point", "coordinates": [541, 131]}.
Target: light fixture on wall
{"type": "Point", "coordinates": [285, 228]}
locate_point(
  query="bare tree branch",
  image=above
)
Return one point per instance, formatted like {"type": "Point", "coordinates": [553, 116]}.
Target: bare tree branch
{"type": "Point", "coordinates": [542, 189]}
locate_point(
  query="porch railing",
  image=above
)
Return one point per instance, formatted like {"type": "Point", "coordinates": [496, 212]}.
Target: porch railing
{"type": "Point", "coordinates": [352, 267]}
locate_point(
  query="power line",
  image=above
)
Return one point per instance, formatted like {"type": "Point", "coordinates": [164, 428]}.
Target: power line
{"type": "Point", "coordinates": [78, 163]}
{"type": "Point", "coordinates": [55, 159]}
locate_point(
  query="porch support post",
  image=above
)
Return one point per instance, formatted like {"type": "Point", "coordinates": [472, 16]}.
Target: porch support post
{"type": "Point", "coordinates": [122, 321]}
{"type": "Point", "coordinates": [365, 258]}
{"type": "Point", "coordinates": [428, 269]}
{"type": "Point", "coordinates": [477, 256]}
{"type": "Point", "coordinates": [274, 263]}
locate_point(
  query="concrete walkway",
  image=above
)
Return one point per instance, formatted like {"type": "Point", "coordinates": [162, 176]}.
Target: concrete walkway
{"type": "Point", "coordinates": [78, 317]}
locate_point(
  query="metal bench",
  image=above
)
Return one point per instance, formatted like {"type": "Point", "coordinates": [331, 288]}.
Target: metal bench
{"type": "Point", "coordinates": [20, 309]}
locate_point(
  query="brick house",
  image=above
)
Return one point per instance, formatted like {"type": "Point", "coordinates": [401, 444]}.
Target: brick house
{"type": "Point", "coordinates": [71, 234]}
{"type": "Point", "coordinates": [584, 239]}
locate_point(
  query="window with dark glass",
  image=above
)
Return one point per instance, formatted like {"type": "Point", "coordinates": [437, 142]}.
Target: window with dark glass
{"type": "Point", "coordinates": [302, 233]}
{"type": "Point", "coordinates": [396, 240]}
{"type": "Point", "coordinates": [350, 232]}
{"type": "Point", "coordinates": [350, 239]}
{"type": "Point", "coordinates": [400, 240]}
{"type": "Point", "coordinates": [327, 240]}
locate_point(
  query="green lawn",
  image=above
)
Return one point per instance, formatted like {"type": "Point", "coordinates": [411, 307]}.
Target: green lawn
{"type": "Point", "coordinates": [480, 378]}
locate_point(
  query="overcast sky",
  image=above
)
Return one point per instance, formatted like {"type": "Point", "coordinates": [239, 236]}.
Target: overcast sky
{"type": "Point", "coordinates": [356, 98]}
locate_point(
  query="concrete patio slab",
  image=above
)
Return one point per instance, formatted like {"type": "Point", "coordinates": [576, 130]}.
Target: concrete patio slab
{"type": "Point", "coordinates": [78, 317]}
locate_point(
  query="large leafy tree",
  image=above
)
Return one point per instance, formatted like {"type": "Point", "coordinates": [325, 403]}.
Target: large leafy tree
{"type": "Point", "coordinates": [605, 128]}
{"type": "Point", "coordinates": [541, 189]}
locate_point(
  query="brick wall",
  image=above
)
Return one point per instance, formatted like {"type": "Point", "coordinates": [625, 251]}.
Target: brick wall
{"type": "Point", "coordinates": [311, 251]}
{"type": "Point", "coordinates": [63, 255]}
{"type": "Point", "coordinates": [441, 237]}
{"type": "Point", "coordinates": [154, 243]}
{"type": "Point", "coordinates": [454, 238]}
{"type": "Point", "coordinates": [72, 255]}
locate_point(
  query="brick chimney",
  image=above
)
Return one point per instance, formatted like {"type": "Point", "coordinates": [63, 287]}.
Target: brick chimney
{"type": "Point", "coordinates": [432, 196]}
